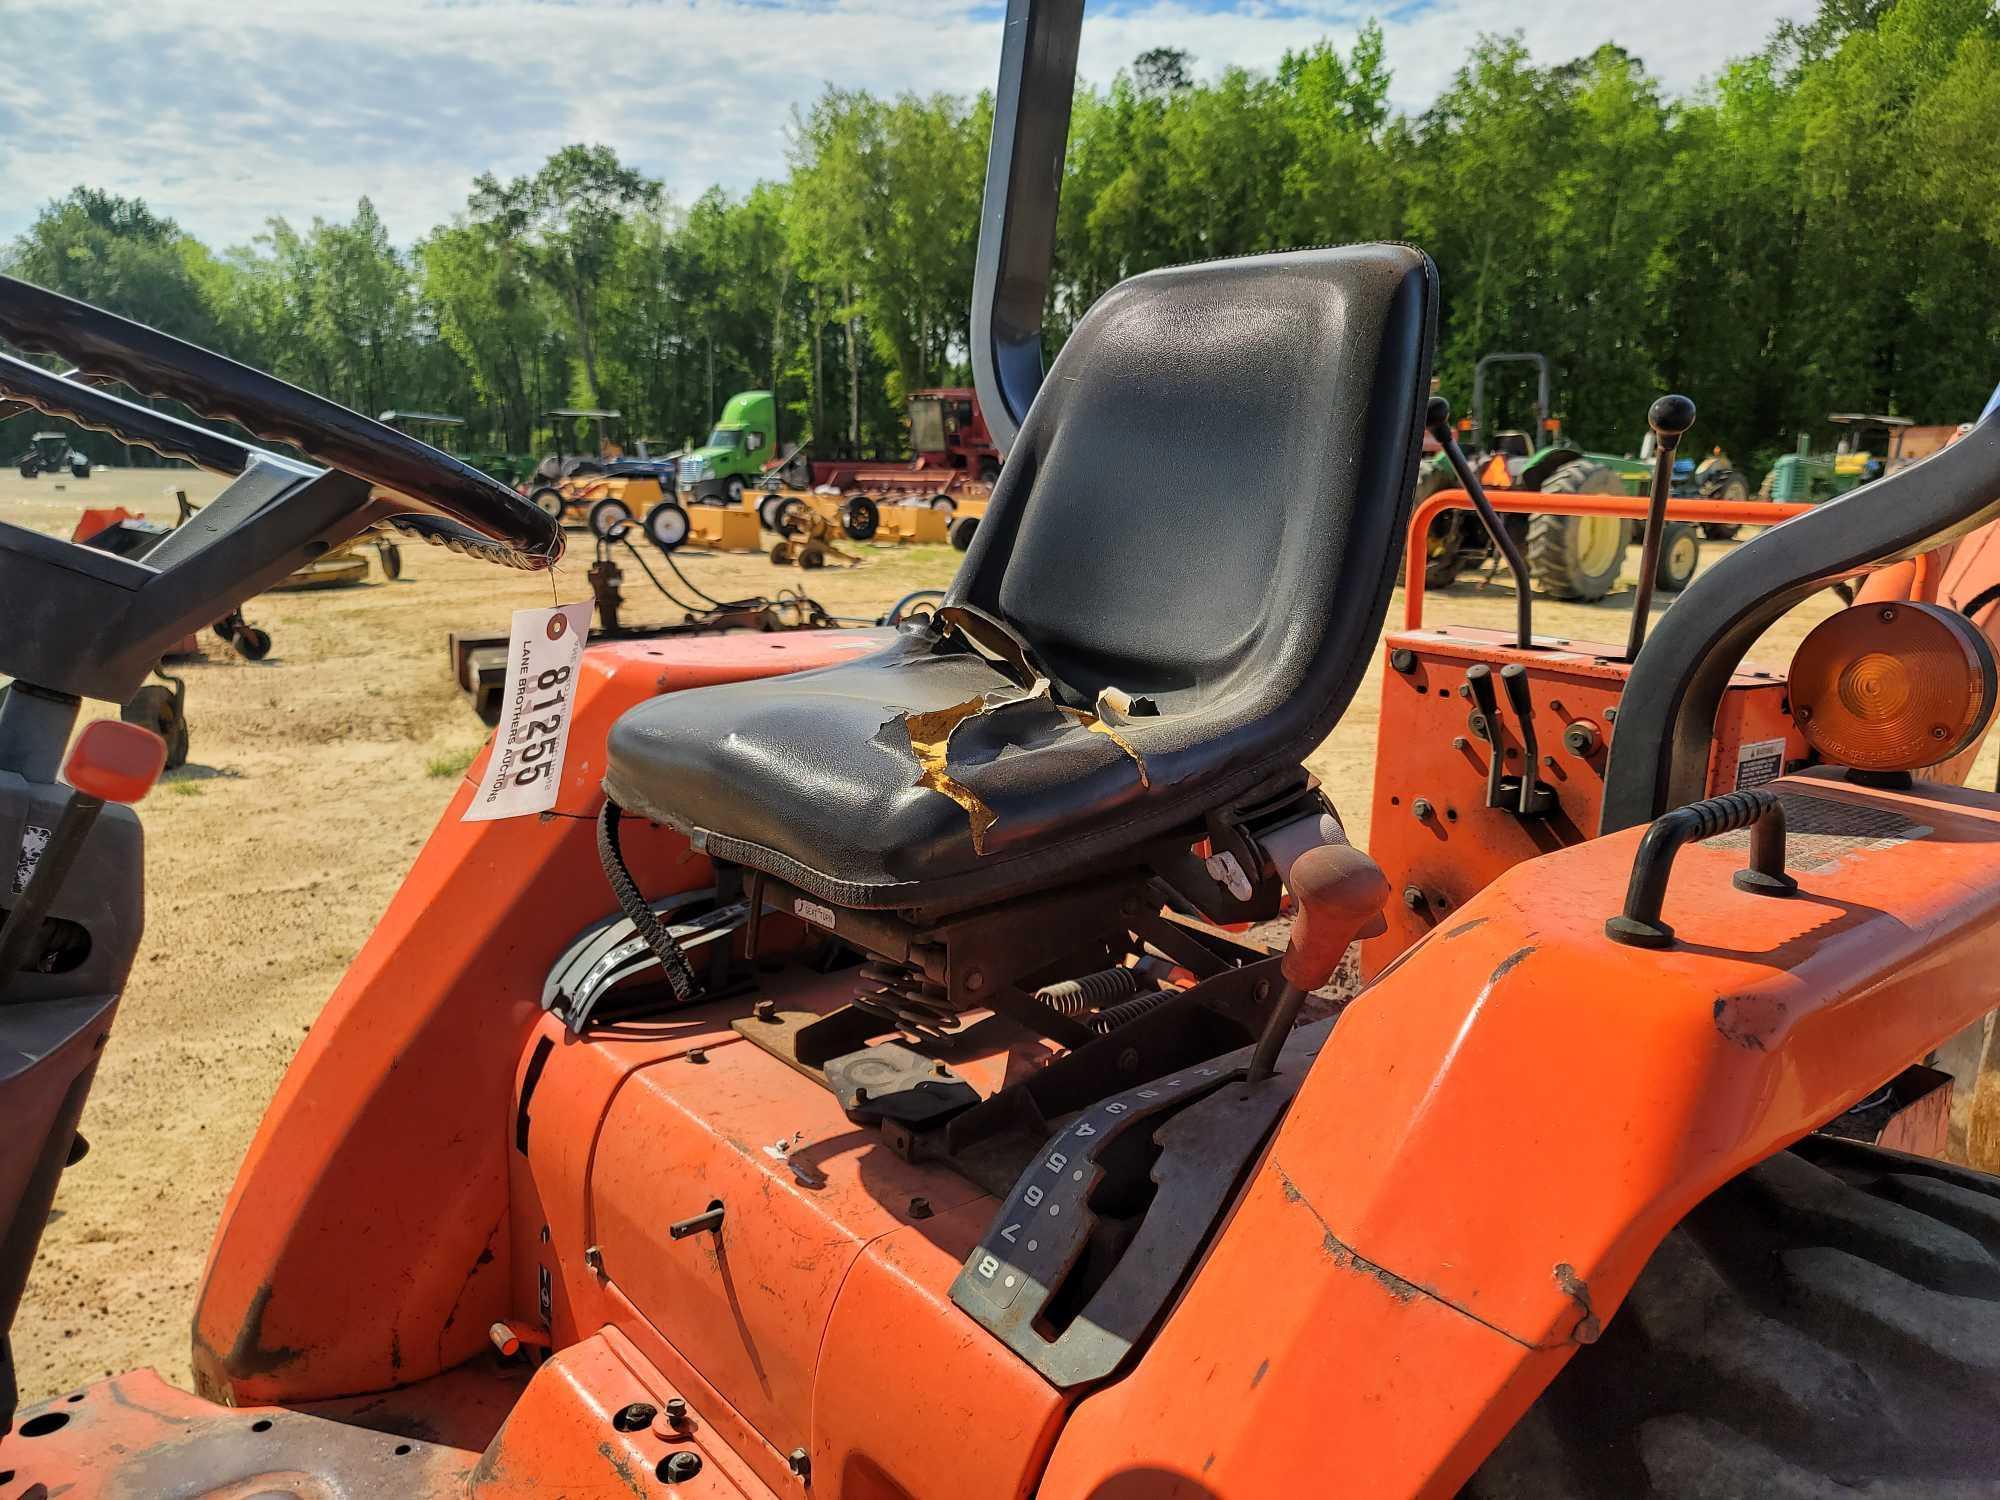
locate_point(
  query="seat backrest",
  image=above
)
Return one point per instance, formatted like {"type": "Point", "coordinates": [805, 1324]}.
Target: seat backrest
{"type": "Point", "coordinates": [1206, 503]}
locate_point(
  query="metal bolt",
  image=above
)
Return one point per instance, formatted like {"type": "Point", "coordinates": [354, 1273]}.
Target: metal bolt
{"type": "Point", "coordinates": [1413, 898]}
{"type": "Point", "coordinates": [1580, 738]}
{"type": "Point", "coordinates": [975, 981]}
{"type": "Point", "coordinates": [697, 1055]}
{"type": "Point", "coordinates": [1939, 732]}
{"type": "Point", "coordinates": [1803, 712]}
{"type": "Point", "coordinates": [800, 1463]}
{"type": "Point", "coordinates": [1403, 659]}
{"type": "Point", "coordinates": [677, 1410]}
{"type": "Point", "coordinates": [1887, 614]}
{"type": "Point", "coordinates": [632, 1418]}
{"type": "Point", "coordinates": [767, 1010]}
{"type": "Point", "coordinates": [1262, 990]}
{"type": "Point", "coordinates": [593, 1257]}
{"type": "Point", "coordinates": [920, 1208]}
{"type": "Point", "coordinates": [1460, 742]}
{"type": "Point", "coordinates": [1610, 715]}
{"type": "Point", "coordinates": [680, 1467]}
{"type": "Point", "coordinates": [1422, 809]}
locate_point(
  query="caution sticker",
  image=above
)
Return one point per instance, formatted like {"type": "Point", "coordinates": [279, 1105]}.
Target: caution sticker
{"type": "Point", "coordinates": [544, 650]}
{"type": "Point", "coordinates": [1758, 762]}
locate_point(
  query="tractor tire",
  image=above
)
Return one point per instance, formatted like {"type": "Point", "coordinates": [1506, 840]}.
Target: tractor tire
{"type": "Point", "coordinates": [549, 501]}
{"type": "Point", "coordinates": [667, 525]}
{"type": "Point", "coordinates": [1734, 488]}
{"type": "Point", "coordinates": [781, 554]}
{"type": "Point", "coordinates": [1578, 557]}
{"type": "Point", "coordinates": [961, 532]}
{"type": "Point", "coordinates": [30, 470]}
{"type": "Point", "coordinates": [1444, 543]}
{"type": "Point", "coordinates": [989, 472]}
{"type": "Point", "coordinates": [860, 518]}
{"type": "Point", "coordinates": [945, 504]}
{"type": "Point", "coordinates": [1680, 555]}
{"type": "Point", "coordinates": [1826, 1324]}
{"type": "Point", "coordinates": [80, 471]}
{"type": "Point", "coordinates": [812, 556]}
{"type": "Point", "coordinates": [790, 517]}
{"type": "Point", "coordinates": [608, 513]}
{"type": "Point", "coordinates": [733, 487]}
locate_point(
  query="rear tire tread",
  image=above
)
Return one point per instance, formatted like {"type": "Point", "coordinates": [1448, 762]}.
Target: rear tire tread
{"type": "Point", "coordinates": [1826, 1324]}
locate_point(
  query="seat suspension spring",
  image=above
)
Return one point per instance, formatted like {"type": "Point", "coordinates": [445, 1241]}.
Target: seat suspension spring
{"type": "Point", "coordinates": [1089, 992]}
{"type": "Point", "coordinates": [906, 1000]}
{"type": "Point", "coordinates": [1112, 1017]}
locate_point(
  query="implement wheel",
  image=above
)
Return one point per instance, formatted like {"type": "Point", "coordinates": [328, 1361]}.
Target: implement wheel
{"type": "Point", "coordinates": [1578, 557]}
{"type": "Point", "coordinates": [548, 501]}
{"type": "Point", "coordinates": [860, 518]}
{"type": "Point", "coordinates": [1680, 555]}
{"type": "Point", "coordinates": [667, 525]}
{"type": "Point", "coordinates": [1824, 1324]}
{"type": "Point", "coordinates": [961, 533]}
{"type": "Point", "coordinates": [606, 514]}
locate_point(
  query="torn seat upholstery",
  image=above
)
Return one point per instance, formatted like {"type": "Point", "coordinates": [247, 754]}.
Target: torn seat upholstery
{"type": "Point", "coordinates": [1171, 599]}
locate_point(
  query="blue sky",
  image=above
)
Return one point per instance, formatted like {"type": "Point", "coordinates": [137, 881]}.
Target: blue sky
{"type": "Point", "coordinates": [224, 113]}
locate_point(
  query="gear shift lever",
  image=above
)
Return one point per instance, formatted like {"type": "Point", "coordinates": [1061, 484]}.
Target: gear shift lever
{"type": "Point", "coordinates": [1339, 892]}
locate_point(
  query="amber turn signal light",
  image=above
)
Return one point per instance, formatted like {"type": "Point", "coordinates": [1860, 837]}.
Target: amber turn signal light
{"type": "Point", "coordinates": [1892, 687]}
{"type": "Point", "coordinates": [114, 761]}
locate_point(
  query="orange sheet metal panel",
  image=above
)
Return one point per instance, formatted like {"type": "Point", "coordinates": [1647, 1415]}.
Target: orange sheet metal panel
{"type": "Point", "coordinates": [1516, 1112]}
{"type": "Point", "coordinates": [563, 1437]}
{"type": "Point", "coordinates": [134, 1437]}
{"type": "Point", "coordinates": [913, 1397]}
{"type": "Point", "coordinates": [1428, 757]}
{"type": "Point", "coordinates": [1290, 1368]}
{"type": "Point", "coordinates": [803, 1190]}
{"type": "Point", "coordinates": [363, 1244]}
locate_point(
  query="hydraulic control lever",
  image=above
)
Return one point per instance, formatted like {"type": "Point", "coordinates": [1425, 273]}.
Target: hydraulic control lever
{"type": "Point", "coordinates": [1339, 892]}
{"type": "Point", "coordinates": [1437, 417]}
{"type": "Point", "coordinates": [1523, 794]}
{"type": "Point", "coordinates": [1486, 724]}
{"type": "Point", "coordinates": [1670, 417]}
{"type": "Point", "coordinates": [1531, 798]}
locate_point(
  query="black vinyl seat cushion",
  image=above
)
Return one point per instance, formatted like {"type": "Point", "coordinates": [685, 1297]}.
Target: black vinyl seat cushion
{"type": "Point", "coordinates": [1204, 512]}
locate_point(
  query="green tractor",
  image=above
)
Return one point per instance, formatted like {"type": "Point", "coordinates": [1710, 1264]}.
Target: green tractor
{"type": "Point", "coordinates": [1571, 557]}
{"type": "Point", "coordinates": [1867, 448]}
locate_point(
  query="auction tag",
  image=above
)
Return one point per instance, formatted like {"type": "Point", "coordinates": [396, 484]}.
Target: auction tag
{"type": "Point", "coordinates": [525, 770]}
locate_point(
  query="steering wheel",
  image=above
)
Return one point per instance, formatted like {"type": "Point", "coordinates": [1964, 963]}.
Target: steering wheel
{"type": "Point", "coordinates": [93, 623]}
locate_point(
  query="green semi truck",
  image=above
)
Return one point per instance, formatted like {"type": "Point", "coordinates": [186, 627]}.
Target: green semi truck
{"type": "Point", "coordinates": [736, 452]}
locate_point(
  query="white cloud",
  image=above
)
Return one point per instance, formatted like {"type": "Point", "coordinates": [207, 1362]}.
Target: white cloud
{"type": "Point", "coordinates": [223, 113]}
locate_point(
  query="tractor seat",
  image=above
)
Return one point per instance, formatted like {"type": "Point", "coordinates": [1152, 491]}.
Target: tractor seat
{"type": "Point", "coordinates": [1173, 594]}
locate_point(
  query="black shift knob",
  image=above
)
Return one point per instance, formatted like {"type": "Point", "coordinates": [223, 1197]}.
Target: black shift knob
{"type": "Point", "coordinates": [1671, 416]}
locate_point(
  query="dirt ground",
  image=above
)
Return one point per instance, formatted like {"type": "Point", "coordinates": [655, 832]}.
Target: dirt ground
{"type": "Point", "coordinates": [314, 777]}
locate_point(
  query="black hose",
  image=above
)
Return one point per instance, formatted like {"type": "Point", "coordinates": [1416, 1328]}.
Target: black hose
{"type": "Point", "coordinates": [651, 930]}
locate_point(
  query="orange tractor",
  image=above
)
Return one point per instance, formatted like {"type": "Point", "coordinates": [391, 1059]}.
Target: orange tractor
{"type": "Point", "coordinates": [860, 1082]}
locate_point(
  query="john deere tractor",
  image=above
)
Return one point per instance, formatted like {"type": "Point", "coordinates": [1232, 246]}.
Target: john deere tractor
{"type": "Point", "coordinates": [1867, 448]}
{"type": "Point", "coordinates": [1572, 557]}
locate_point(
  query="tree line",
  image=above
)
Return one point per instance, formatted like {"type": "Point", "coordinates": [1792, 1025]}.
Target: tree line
{"type": "Point", "coordinates": [1817, 228]}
